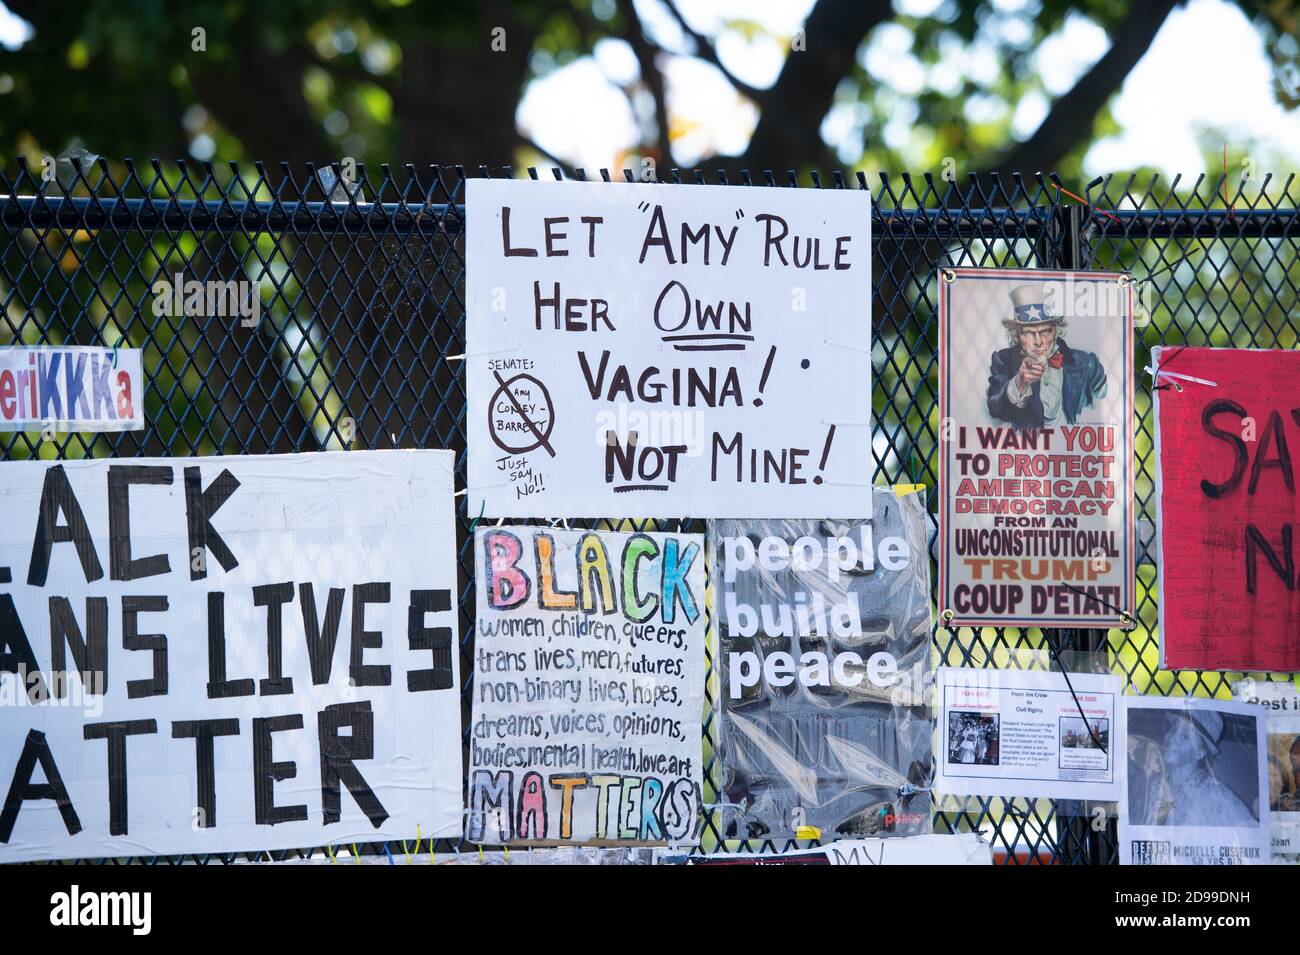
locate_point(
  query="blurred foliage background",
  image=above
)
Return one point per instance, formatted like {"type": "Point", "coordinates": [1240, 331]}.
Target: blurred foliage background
{"type": "Point", "coordinates": [442, 82]}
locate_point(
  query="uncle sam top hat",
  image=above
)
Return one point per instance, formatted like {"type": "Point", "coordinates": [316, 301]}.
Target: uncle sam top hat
{"type": "Point", "coordinates": [1028, 302]}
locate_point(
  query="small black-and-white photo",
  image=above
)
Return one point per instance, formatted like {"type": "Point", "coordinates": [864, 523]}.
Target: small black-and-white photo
{"type": "Point", "coordinates": [1192, 768]}
{"type": "Point", "coordinates": [972, 738]}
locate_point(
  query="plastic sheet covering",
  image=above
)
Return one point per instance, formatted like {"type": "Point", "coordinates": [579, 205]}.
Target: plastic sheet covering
{"type": "Point", "coordinates": [836, 735]}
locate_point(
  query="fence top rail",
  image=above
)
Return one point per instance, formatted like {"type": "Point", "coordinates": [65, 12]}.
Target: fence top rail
{"type": "Point", "coordinates": [433, 218]}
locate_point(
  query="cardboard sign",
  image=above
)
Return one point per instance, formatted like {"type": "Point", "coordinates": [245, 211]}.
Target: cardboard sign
{"type": "Point", "coordinates": [588, 687]}
{"type": "Point", "coordinates": [666, 350]}
{"type": "Point", "coordinates": [227, 653]}
{"type": "Point", "coordinates": [1036, 460]}
{"type": "Point", "coordinates": [71, 388]}
{"type": "Point", "coordinates": [1228, 453]}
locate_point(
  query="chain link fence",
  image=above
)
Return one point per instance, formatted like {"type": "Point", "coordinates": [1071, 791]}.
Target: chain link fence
{"type": "Point", "coordinates": [361, 279]}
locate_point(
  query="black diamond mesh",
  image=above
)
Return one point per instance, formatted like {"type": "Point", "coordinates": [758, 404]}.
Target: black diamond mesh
{"type": "Point", "coordinates": [358, 345]}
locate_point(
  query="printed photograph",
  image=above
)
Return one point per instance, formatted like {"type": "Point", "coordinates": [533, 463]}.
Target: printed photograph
{"type": "Point", "coordinates": [1038, 380]}
{"type": "Point", "coordinates": [1284, 773]}
{"type": "Point", "coordinates": [1077, 734]}
{"type": "Point", "coordinates": [972, 738]}
{"type": "Point", "coordinates": [1192, 768]}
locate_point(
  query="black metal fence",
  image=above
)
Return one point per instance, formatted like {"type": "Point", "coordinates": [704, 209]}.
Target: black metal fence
{"type": "Point", "coordinates": [363, 319]}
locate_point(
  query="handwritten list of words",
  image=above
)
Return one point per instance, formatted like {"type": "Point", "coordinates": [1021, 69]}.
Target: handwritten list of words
{"type": "Point", "coordinates": [588, 686]}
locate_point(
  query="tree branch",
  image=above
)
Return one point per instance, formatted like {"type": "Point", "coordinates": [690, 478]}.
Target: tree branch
{"type": "Point", "coordinates": [789, 127]}
{"type": "Point", "coordinates": [705, 50]}
{"type": "Point", "coordinates": [645, 51]}
{"type": "Point", "coordinates": [1072, 116]}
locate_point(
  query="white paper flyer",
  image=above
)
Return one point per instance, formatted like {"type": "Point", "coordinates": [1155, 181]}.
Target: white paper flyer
{"type": "Point", "coordinates": [1196, 785]}
{"type": "Point", "coordinates": [1028, 733]}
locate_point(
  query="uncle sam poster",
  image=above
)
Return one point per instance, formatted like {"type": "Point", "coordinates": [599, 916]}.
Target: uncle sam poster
{"type": "Point", "coordinates": [1036, 460]}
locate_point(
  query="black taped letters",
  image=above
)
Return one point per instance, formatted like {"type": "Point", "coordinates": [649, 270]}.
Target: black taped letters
{"type": "Point", "coordinates": [200, 505]}
{"type": "Point", "coordinates": [203, 732]}
{"type": "Point", "coordinates": [436, 639]}
{"type": "Point", "coordinates": [267, 772]}
{"type": "Point", "coordinates": [22, 789]}
{"type": "Point", "coordinates": [121, 566]}
{"type": "Point", "coordinates": [337, 756]}
{"type": "Point", "coordinates": [57, 498]}
{"type": "Point", "coordinates": [115, 733]}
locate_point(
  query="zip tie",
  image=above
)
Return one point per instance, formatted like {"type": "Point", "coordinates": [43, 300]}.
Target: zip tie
{"type": "Point", "coordinates": [474, 523]}
{"type": "Point", "coordinates": [1156, 374]}
{"type": "Point", "coordinates": [827, 341]}
{"type": "Point", "coordinates": [482, 487]}
{"type": "Point", "coordinates": [418, 839]}
{"type": "Point", "coordinates": [907, 789]}
{"type": "Point", "coordinates": [480, 354]}
{"type": "Point", "coordinates": [115, 348]}
{"type": "Point", "coordinates": [1086, 203]}
{"type": "Point", "coordinates": [329, 851]}
{"type": "Point", "coordinates": [389, 854]}
{"type": "Point", "coordinates": [356, 858]}
{"type": "Point", "coordinates": [1173, 374]}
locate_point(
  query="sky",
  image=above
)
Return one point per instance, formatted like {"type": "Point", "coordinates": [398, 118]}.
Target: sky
{"type": "Point", "coordinates": [1205, 79]}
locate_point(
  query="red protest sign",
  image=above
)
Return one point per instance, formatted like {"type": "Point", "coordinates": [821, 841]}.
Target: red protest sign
{"type": "Point", "coordinates": [1228, 444]}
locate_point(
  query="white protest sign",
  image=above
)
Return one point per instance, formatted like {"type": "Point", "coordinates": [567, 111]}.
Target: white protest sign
{"type": "Point", "coordinates": [667, 350]}
{"type": "Point", "coordinates": [588, 687]}
{"type": "Point", "coordinates": [227, 653]}
{"type": "Point", "coordinates": [72, 388]}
